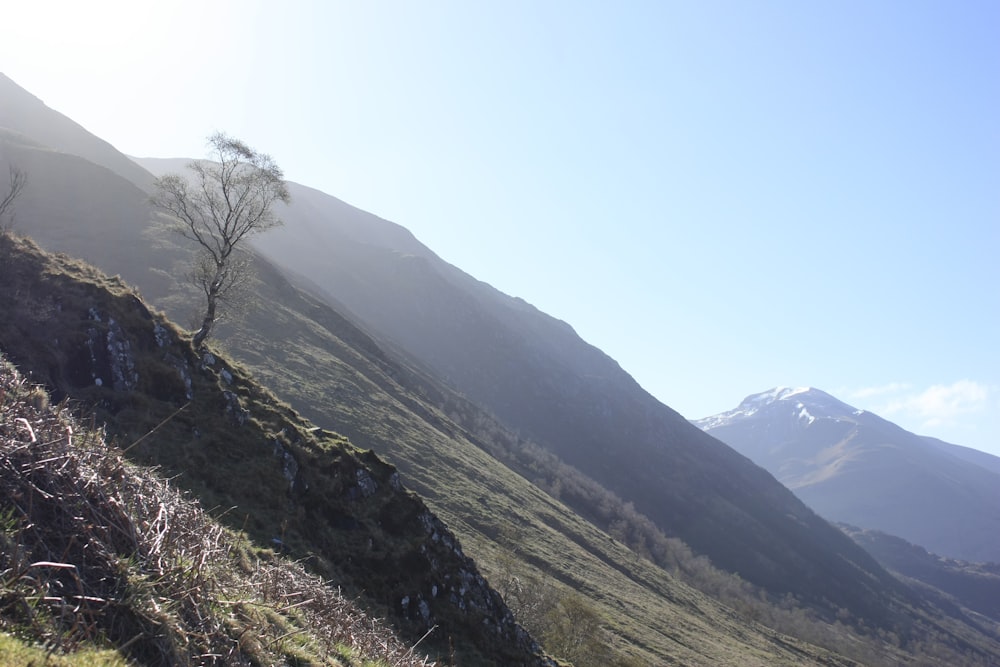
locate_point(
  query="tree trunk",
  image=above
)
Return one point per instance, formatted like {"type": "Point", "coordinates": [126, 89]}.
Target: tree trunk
{"type": "Point", "coordinates": [207, 322]}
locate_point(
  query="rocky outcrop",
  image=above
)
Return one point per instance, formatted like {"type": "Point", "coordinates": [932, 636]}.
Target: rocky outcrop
{"type": "Point", "coordinates": [108, 353]}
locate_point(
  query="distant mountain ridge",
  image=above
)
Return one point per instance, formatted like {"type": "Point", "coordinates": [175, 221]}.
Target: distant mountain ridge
{"type": "Point", "coordinates": [854, 467]}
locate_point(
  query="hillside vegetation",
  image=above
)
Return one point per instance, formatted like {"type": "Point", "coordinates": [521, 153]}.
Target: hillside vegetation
{"type": "Point", "coordinates": [102, 561]}
{"type": "Point", "coordinates": [266, 471]}
{"type": "Point", "coordinates": [544, 383]}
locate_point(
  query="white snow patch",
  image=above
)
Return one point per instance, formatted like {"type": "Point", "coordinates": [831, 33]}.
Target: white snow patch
{"type": "Point", "coordinates": [804, 413]}
{"type": "Point", "coordinates": [788, 392]}
{"type": "Point", "coordinates": [751, 405]}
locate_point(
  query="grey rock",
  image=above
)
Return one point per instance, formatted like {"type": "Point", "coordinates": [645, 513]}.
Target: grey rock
{"type": "Point", "coordinates": [366, 483]}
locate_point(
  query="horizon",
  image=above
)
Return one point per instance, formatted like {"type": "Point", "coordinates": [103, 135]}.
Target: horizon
{"type": "Point", "coordinates": [722, 198]}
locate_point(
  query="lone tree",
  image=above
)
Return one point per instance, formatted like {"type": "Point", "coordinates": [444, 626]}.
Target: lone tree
{"type": "Point", "coordinates": [223, 202]}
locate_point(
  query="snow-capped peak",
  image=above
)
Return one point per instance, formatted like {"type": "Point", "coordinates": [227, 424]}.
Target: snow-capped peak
{"type": "Point", "coordinates": [755, 402]}
{"type": "Point", "coordinates": [806, 403]}
{"type": "Point", "coordinates": [777, 394]}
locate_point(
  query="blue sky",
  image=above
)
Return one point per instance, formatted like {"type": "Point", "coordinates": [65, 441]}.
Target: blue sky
{"type": "Point", "coordinates": [723, 196]}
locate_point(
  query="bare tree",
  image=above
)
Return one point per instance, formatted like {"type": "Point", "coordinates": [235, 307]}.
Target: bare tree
{"type": "Point", "coordinates": [223, 202]}
{"type": "Point", "coordinates": [18, 179]}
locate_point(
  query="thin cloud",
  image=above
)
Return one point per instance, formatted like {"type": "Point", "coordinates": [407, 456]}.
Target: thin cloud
{"type": "Point", "coordinates": [880, 390]}
{"type": "Point", "coordinates": [941, 404]}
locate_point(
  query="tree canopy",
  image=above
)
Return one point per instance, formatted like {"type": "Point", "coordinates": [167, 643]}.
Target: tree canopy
{"type": "Point", "coordinates": [222, 202]}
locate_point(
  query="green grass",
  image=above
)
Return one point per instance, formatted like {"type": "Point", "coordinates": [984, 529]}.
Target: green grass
{"type": "Point", "coordinates": [96, 552]}
{"type": "Point", "coordinates": [15, 652]}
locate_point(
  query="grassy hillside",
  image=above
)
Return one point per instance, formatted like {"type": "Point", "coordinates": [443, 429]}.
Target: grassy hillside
{"type": "Point", "coordinates": [337, 374]}
{"type": "Point", "coordinates": [241, 451]}
{"type": "Point", "coordinates": [27, 114]}
{"type": "Point", "coordinates": [476, 475]}
{"type": "Point", "coordinates": [102, 561]}
{"type": "Point", "coordinates": [521, 535]}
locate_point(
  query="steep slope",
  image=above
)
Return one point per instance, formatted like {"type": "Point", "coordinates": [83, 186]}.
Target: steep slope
{"type": "Point", "coordinates": [547, 384]}
{"type": "Point", "coordinates": [233, 445]}
{"type": "Point", "coordinates": [855, 467]}
{"type": "Point", "coordinates": [982, 459]}
{"type": "Point", "coordinates": [90, 210]}
{"type": "Point", "coordinates": [91, 546]}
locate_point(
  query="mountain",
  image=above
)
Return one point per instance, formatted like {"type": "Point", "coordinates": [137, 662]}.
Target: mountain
{"type": "Point", "coordinates": [988, 461]}
{"type": "Point", "coordinates": [852, 466]}
{"type": "Point", "coordinates": [546, 384]}
{"type": "Point", "coordinates": [550, 536]}
{"type": "Point", "coordinates": [337, 374]}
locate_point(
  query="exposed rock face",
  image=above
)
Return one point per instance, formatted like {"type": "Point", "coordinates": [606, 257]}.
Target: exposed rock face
{"type": "Point", "coordinates": [110, 353]}
{"type": "Point", "coordinates": [236, 412]}
{"type": "Point", "coordinates": [366, 484]}
{"type": "Point", "coordinates": [435, 580]}
{"type": "Point", "coordinates": [123, 374]}
{"type": "Point", "coordinates": [290, 469]}
{"type": "Point", "coordinates": [183, 372]}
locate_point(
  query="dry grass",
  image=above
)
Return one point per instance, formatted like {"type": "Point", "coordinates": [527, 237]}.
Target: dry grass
{"type": "Point", "coordinates": [95, 551]}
